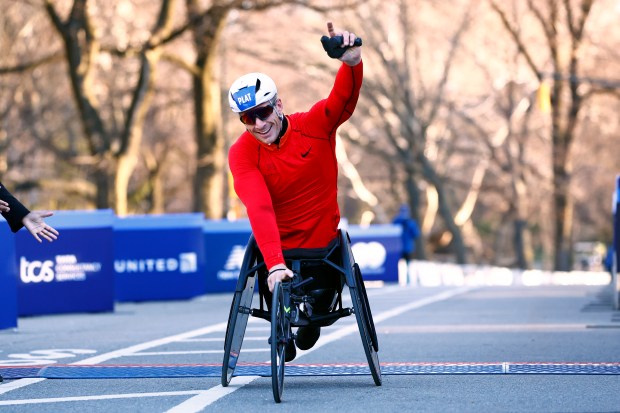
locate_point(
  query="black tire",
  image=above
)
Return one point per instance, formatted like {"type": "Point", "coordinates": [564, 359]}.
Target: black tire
{"type": "Point", "coordinates": [359, 284]}
{"type": "Point", "coordinates": [279, 329]}
{"type": "Point", "coordinates": [362, 323]}
{"type": "Point", "coordinates": [235, 331]}
{"type": "Point", "coordinates": [239, 314]}
{"type": "Point", "coordinates": [361, 307]}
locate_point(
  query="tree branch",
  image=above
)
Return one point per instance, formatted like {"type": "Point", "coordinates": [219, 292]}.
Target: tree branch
{"type": "Point", "coordinates": [519, 42]}
{"type": "Point", "coordinates": [28, 66]}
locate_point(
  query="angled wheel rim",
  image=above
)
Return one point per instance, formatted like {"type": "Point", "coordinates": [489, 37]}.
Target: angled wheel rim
{"type": "Point", "coordinates": [278, 342]}
{"type": "Point", "coordinates": [235, 330]}
{"type": "Point", "coordinates": [359, 282]}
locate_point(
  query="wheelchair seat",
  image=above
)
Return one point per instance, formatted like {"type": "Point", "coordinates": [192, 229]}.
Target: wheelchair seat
{"type": "Point", "coordinates": [319, 299]}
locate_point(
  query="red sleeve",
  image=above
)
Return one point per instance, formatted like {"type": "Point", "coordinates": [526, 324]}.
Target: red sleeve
{"type": "Point", "coordinates": [252, 190]}
{"type": "Point", "coordinates": [332, 112]}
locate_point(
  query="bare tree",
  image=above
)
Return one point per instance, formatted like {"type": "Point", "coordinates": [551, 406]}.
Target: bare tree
{"type": "Point", "coordinates": [114, 133]}
{"type": "Point", "coordinates": [116, 152]}
{"type": "Point", "coordinates": [505, 149]}
{"type": "Point", "coordinates": [461, 148]}
{"type": "Point", "coordinates": [563, 24]}
{"type": "Point", "coordinates": [409, 106]}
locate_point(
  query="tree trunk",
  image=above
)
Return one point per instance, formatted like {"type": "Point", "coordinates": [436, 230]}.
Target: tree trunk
{"type": "Point", "coordinates": [519, 243]}
{"type": "Point", "coordinates": [563, 121]}
{"type": "Point", "coordinates": [209, 178]}
{"type": "Point", "coordinates": [563, 205]}
{"type": "Point", "coordinates": [445, 211]}
{"type": "Point", "coordinates": [130, 151]}
{"type": "Point", "coordinates": [102, 197]}
{"type": "Point", "coordinates": [208, 186]}
{"type": "Point", "coordinates": [81, 50]}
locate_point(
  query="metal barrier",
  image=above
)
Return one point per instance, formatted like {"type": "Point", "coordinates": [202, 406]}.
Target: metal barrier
{"type": "Point", "coordinates": [73, 273]}
{"type": "Point", "coordinates": [159, 257]}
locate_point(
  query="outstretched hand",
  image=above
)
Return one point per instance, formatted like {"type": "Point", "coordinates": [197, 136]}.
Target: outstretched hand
{"type": "Point", "coordinates": [353, 54]}
{"type": "Point", "coordinates": [35, 224]}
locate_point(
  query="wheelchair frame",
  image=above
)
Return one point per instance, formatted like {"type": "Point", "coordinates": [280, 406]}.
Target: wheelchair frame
{"type": "Point", "coordinates": [285, 312]}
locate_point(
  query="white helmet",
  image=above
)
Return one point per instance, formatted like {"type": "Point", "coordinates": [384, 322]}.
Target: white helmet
{"type": "Point", "coordinates": [251, 90]}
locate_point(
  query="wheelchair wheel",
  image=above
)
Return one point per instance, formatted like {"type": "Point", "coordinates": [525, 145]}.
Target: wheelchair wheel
{"type": "Point", "coordinates": [361, 307]}
{"type": "Point", "coordinates": [239, 313]}
{"type": "Point", "coordinates": [279, 328]}
{"type": "Point", "coordinates": [364, 324]}
{"type": "Point", "coordinates": [359, 284]}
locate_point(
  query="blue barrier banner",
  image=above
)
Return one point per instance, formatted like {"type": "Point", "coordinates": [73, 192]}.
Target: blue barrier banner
{"type": "Point", "coordinates": [73, 273]}
{"type": "Point", "coordinates": [159, 257]}
{"type": "Point", "coordinates": [616, 212]}
{"type": "Point", "coordinates": [377, 249]}
{"type": "Point", "coordinates": [225, 243]}
{"type": "Point", "coordinates": [8, 277]}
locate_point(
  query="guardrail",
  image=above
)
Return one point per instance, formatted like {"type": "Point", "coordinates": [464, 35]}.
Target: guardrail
{"type": "Point", "coordinates": [433, 274]}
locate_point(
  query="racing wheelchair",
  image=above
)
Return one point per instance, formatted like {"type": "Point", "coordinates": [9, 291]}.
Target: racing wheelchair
{"type": "Point", "coordinates": [313, 297]}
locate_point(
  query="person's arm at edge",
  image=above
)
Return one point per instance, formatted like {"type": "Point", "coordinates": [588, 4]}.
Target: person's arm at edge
{"type": "Point", "coordinates": [17, 211]}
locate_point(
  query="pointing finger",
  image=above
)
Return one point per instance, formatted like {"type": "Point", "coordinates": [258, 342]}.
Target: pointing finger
{"type": "Point", "coordinates": [330, 29]}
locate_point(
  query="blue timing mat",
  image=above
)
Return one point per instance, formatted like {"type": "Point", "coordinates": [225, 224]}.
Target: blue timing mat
{"type": "Point", "coordinates": [264, 370]}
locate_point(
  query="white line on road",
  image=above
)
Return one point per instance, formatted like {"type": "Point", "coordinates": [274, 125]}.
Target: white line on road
{"type": "Point", "coordinates": [99, 397]}
{"type": "Point", "coordinates": [167, 353]}
{"type": "Point", "coordinates": [204, 398]}
{"type": "Point", "coordinates": [200, 402]}
{"type": "Point", "coordinates": [221, 339]}
{"type": "Point", "coordinates": [150, 344]}
{"type": "Point", "coordinates": [128, 351]}
{"type": "Point", "coordinates": [17, 384]}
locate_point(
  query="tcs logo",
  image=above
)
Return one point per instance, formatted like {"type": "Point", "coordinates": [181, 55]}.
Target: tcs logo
{"type": "Point", "coordinates": [369, 255]}
{"type": "Point", "coordinates": [36, 271]}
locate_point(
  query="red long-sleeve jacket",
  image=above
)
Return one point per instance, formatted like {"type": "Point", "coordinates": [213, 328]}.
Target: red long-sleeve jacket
{"type": "Point", "coordinates": [290, 189]}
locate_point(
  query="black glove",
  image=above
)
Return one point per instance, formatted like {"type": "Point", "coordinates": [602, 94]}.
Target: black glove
{"type": "Point", "coordinates": [332, 45]}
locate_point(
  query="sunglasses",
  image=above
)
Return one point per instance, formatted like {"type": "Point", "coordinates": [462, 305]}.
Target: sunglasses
{"type": "Point", "coordinates": [263, 112]}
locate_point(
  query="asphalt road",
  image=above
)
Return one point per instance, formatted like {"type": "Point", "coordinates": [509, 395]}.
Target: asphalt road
{"type": "Point", "coordinates": [454, 329]}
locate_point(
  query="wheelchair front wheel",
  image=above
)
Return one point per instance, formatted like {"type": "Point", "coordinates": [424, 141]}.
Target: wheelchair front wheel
{"type": "Point", "coordinates": [279, 329]}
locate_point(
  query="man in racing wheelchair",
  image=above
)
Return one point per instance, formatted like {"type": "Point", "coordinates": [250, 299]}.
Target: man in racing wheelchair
{"type": "Point", "coordinates": [285, 170]}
